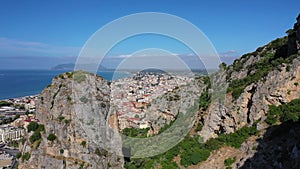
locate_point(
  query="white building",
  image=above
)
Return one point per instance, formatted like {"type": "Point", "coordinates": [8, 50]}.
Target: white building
{"type": "Point", "coordinates": [10, 133]}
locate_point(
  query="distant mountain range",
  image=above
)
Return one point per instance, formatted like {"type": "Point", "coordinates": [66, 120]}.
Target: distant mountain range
{"type": "Point", "coordinates": [71, 66]}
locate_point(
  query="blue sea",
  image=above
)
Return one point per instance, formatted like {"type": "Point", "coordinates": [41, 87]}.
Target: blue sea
{"type": "Point", "coordinates": [18, 83]}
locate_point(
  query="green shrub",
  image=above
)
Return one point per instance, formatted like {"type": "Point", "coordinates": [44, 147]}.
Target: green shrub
{"type": "Point", "coordinates": [26, 156]}
{"type": "Point", "coordinates": [5, 103]}
{"type": "Point", "coordinates": [284, 112]}
{"type": "Point", "coordinates": [229, 161]}
{"type": "Point", "coordinates": [60, 118]}
{"type": "Point", "coordinates": [79, 76]}
{"type": "Point", "coordinates": [19, 155]}
{"type": "Point", "coordinates": [35, 136]}
{"type": "Point", "coordinates": [51, 137]}
{"type": "Point", "coordinates": [288, 68]}
{"type": "Point", "coordinates": [134, 132]}
{"type": "Point", "coordinates": [83, 143]}
{"type": "Point", "coordinates": [32, 126]}
{"type": "Point", "coordinates": [199, 126]}
{"type": "Point", "coordinates": [67, 121]}
{"type": "Point", "coordinates": [41, 128]}
{"type": "Point", "coordinates": [192, 151]}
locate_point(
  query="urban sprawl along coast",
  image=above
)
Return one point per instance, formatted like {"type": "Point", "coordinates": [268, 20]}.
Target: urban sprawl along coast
{"type": "Point", "coordinates": [130, 98]}
{"type": "Point", "coordinates": [15, 115]}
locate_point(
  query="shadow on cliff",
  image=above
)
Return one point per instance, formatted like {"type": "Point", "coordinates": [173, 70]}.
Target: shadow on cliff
{"type": "Point", "coordinates": [279, 148]}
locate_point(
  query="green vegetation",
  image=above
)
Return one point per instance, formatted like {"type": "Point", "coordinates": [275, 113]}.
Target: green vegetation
{"type": "Point", "coordinates": [79, 76]}
{"type": "Point", "coordinates": [35, 137]}
{"type": "Point", "coordinates": [237, 138]}
{"type": "Point", "coordinates": [6, 120]}
{"type": "Point", "coordinates": [5, 103]}
{"type": "Point", "coordinates": [61, 151]}
{"type": "Point", "coordinates": [61, 76]}
{"type": "Point", "coordinates": [192, 150]}
{"type": "Point", "coordinates": [97, 151]}
{"type": "Point", "coordinates": [32, 126]}
{"type": "Point", "coordinates": [222, 65]}
{"type": "Point", "coordinates": [41, 128]}
{"type": "Point", "coordinates": [20, 106]}
{"type": "Point", "coordinates": [173, 97]}
{"type": "Point", "coordinates": [55, 94]}
{"type": "Point", "coordinates": [134, 132]}
{"type": "Point", "coordinates": [60, 118]}
{"type": "Point", "coordinates": [229, 161]}
{"type": "Point", "coordinates": [270, 61]}
{"type": "Point", "coordinates": [288, 68]}
{"type": "Point", "coordinates": [284, 112]}
{"type": "Point", "coordinates": [81, 165]}
{"type": "Point", "coordinates": [19, 155]}
{"type": "Point", "coordinates": [13, 143]}
{"type": "Point", "coordinates": [205, 97]}
{"type": "Point", "coordinates": [296, 84]}
{"type": "Point", "coordinates": [83, 143]}
{"type": "Point", "coordinates": [51, 137]}
{"type": "Point", "coordinates": [69, 74]}
{"type": "Point", "coordinates": [199, 126]}
{"type": "Point", "coordinates": [67, 121]}
{"type": "Point", "coordinates": [26, 156]}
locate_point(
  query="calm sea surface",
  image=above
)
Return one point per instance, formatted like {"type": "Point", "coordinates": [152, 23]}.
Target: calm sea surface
{"type": "Point", "coordinates": [17, 83]}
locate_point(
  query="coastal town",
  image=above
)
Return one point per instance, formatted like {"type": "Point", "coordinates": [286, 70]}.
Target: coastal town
{"type": "Point", "coordinates": [132, 96]}
{"type": "Point", "coordinates": [15, 115]}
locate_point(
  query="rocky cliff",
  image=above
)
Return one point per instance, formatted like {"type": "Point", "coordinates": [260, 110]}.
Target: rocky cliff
{"type": "Point", "coordinates": [268, 76]}
{"type": "Point", "coordinates": [73, 110]}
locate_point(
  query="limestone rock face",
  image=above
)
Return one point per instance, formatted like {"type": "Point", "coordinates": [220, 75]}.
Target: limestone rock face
{"type": "Point", "coordinates": [74, 108]}
{"type": "Point", "coordinates": [165, 109]}
{"type": "Point", "coordinates": [278, 86]}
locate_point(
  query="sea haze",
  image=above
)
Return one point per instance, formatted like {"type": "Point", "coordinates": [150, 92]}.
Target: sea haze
{"type": "Point", "coordinates": [18, 83]}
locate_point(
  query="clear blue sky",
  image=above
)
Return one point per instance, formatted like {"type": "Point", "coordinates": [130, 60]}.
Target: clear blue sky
{"type": "Point", "coordinates": [59, 28]}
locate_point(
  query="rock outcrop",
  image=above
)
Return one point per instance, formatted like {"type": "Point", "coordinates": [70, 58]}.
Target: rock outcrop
{"type": "Point", "coordinates": [268, 76]}
{"type": "Point", "coordinates": [279, 85]}
{"type": "Point", "coordinates": [74, 108]}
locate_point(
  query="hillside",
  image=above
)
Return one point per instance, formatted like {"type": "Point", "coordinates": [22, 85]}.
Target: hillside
{"type": "Point", "coordinates": [234, 132]}
{"type": "Point", "coordinates": [255, 125]}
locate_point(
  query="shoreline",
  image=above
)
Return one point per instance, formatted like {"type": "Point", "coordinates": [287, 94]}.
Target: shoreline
{"type": "Point", "coordinates": [20, 97]}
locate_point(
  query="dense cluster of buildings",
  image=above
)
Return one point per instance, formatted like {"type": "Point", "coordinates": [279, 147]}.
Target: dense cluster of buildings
{"type": "Point", "coordinates": [131, 96]}
{"type": "Point", "coordinates": [15, 115]}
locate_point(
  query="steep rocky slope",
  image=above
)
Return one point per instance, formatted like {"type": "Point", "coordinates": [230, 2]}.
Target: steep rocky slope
{"type": "Point", "coordinates": [268, 76]}
{"type": "Point", "coordinates": [73, 108]}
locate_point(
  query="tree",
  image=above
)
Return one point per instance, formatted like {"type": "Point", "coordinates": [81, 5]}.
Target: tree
{"type": "Point", "coordinates": [51, 137]}
{"type": "Point", "coordinates": [26, 156]}
{"type": "Point", "coordinates": [35, 136]}
{"type": "Point", "coordinates": [19, 155]}
{"type": "Point", "coordinates": [83, 143]}
{"type": "Point", "coordinates": [32, 126]}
